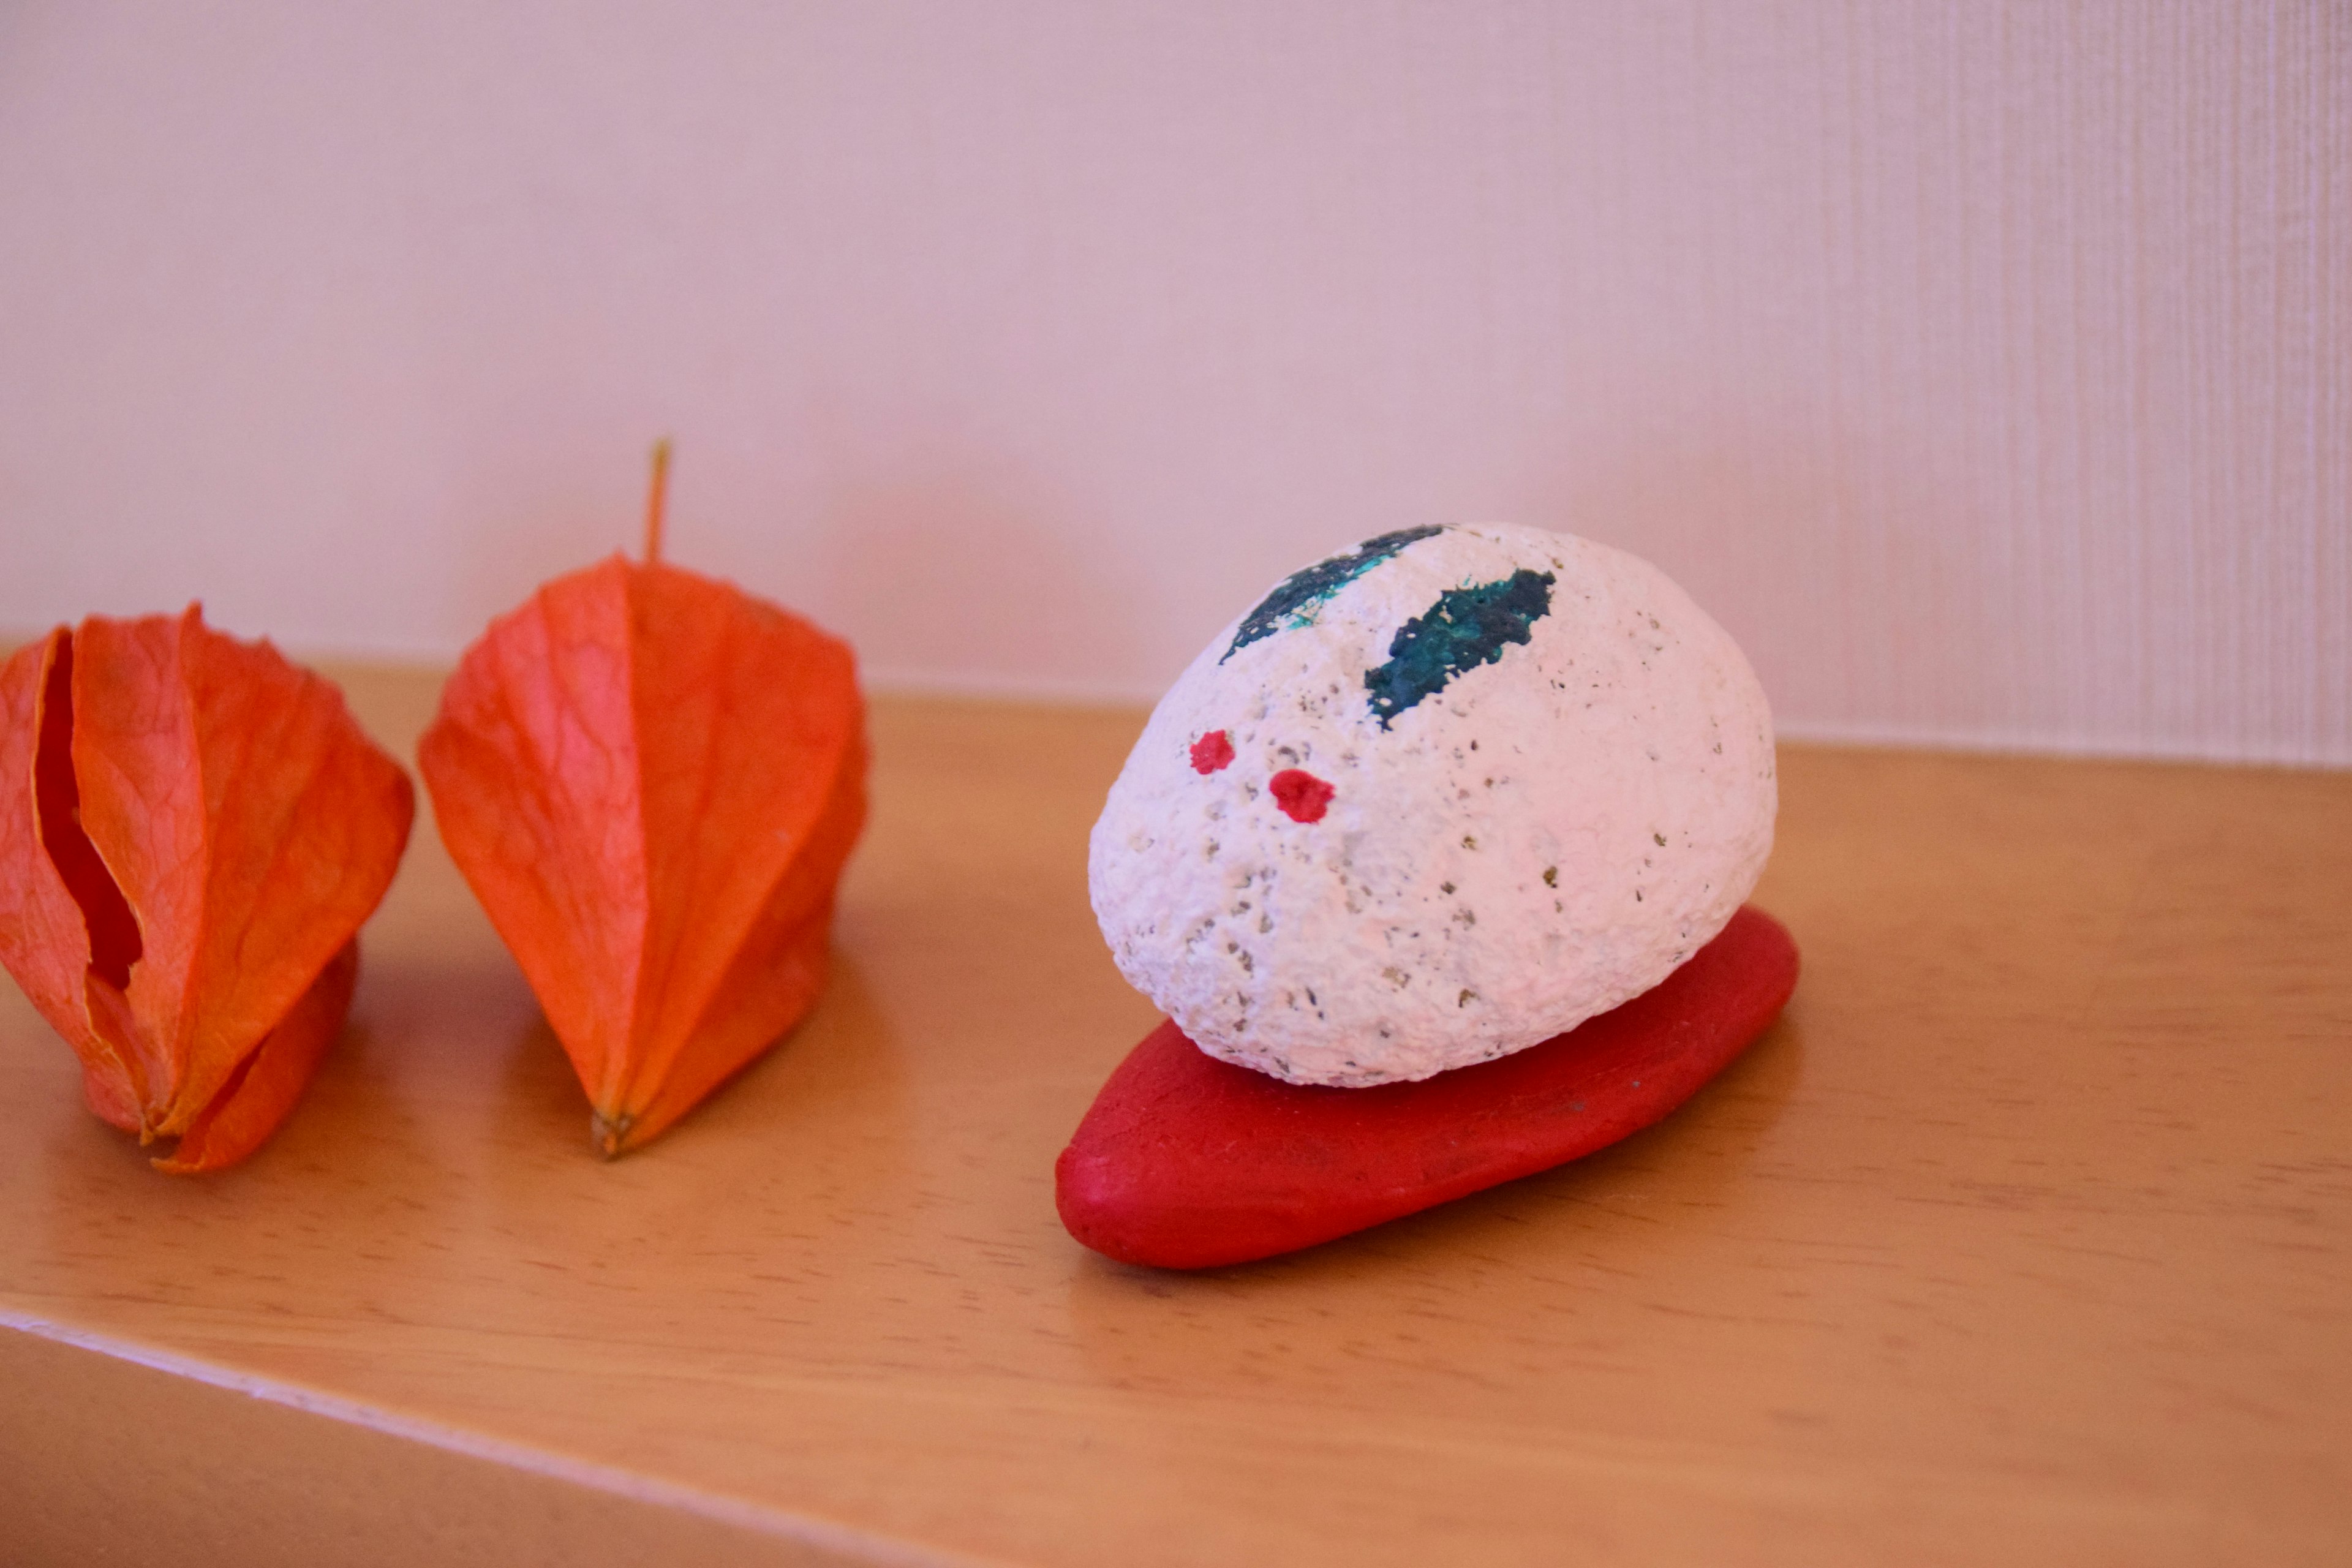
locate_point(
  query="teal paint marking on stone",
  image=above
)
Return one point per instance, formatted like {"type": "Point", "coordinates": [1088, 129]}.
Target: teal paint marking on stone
{"type": "Point", "coordinates": [1466, 628]}
{"type": "Point", "coordinates": [1293, 600]}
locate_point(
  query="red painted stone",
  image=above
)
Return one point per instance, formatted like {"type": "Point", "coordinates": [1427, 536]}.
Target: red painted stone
{"type": "Point", "coordinates": [1186, 1162]}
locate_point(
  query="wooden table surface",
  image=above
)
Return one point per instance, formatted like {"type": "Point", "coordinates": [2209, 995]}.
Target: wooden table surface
{"type": "Point", "coordinates": [2025, 1235]}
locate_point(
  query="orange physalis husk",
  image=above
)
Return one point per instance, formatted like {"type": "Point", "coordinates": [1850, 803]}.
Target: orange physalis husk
{"type": "Point", "coordinates": [651, 781]}
{"type": "Point", "coordinates": [192, 830]}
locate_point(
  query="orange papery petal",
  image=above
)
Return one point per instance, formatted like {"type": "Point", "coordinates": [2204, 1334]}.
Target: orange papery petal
{"type": "Point", "coordinates": [777, 974]}
{"type": "Point", "coordinates": [262, 1090]}
{"type": "Point", "coordinates": [192, 830]}
{"type": "Point", "coordinates": [651, 781]}
{"type": "Point", "coordinates": [249, 821]}
{"type": "Point", "coordinates": [48, 869]}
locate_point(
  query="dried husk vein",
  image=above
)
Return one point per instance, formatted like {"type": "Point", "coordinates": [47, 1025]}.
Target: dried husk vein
{"type": "Point", "coordinates": [225, 802]}
{"type": "Point", "coordinates": [651, 782]}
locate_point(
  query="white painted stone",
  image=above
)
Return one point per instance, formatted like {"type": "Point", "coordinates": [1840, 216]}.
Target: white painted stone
{"type": "Point", "coordinates": [1547, 836]}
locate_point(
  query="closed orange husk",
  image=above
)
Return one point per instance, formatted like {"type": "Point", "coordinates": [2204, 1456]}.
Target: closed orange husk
{"type": "Point", "coordinates": [651, 782]}
{"type": "Point", "coordinates": [192, 831]}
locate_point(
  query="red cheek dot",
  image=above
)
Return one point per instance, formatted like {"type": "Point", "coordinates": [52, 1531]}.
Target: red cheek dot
{"type": "Point", "coordinates": [1211, 751]}
{"type": "Point", "coordinates": [1302, 796]}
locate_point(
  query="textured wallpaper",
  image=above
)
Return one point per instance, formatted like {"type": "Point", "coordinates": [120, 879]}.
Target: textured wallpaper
{"type": "Point", "coordinates": [1987, 369]}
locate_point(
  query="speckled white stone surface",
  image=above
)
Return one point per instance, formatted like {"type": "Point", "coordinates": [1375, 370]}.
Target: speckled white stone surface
{"type": "Point", "coordinates": [1546, 836]}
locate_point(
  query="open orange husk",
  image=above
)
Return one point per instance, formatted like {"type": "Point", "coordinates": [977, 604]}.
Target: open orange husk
{"type": "Point", "coordinates": [192, 831]}
{"type": "Point", "coordinates": [651, 782]}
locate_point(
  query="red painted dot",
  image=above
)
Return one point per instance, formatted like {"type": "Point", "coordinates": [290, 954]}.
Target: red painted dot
{"type": "Point", "coordinates": [1302, 796]}
{"type": "Point", "coordinates": [1211, 751]}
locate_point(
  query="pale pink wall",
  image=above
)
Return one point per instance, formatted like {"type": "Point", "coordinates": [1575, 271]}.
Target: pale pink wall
{"type": "Point", "coordinates": [1987, 367]}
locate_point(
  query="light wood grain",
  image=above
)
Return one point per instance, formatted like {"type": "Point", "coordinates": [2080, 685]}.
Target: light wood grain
{"type": "Point", "coordinates": [2026, 1235]}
